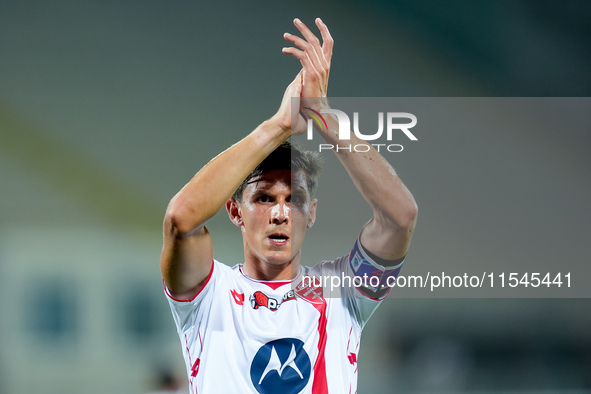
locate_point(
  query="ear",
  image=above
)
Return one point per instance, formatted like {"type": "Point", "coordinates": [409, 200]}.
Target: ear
{"type": "Point", "coordinates": [234, 212]}
{"type": "Point", "coordinates": [312, 215]}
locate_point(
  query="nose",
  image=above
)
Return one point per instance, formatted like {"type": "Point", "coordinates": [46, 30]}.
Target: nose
{"type": "Point", "coordinates": [280, 213]}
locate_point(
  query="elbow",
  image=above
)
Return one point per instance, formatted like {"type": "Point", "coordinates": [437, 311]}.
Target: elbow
{"type": "Point", "coordinates": [170, 225]}
{"type": "Point", "coordinates": [403, 218]}
{"type": "Point", "coordinates": [413, 211]}
{"type": "Point", "coordinates": [409, 217]}
{"type": "Point", "coordinates": [177, 221]}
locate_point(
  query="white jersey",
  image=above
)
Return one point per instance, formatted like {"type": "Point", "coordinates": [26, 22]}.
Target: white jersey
{"type": "Point", "coordinates": [241, 335]}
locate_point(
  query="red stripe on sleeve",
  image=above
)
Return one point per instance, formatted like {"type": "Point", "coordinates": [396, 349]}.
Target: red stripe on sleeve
{"type": "Point", "coordinates": [198, 292]}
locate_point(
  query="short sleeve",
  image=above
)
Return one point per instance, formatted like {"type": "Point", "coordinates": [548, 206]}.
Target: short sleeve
{"type": "Point", "coordinates": [187, 312]}
{"type": "Point", "coordinates": [370, 281]}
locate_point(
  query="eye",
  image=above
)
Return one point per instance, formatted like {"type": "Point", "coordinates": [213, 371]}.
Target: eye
{"type": "Point", "coordinates": [296, 199]}
{"type": "Point", "coordinates": [264, 198]}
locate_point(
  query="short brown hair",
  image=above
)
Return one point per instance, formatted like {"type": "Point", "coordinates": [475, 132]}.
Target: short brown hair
{"type": "Point", "coordinates": [287, 157]}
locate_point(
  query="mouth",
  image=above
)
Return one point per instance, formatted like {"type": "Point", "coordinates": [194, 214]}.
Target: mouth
{"type": "Point", "coordinates": [278, 239]}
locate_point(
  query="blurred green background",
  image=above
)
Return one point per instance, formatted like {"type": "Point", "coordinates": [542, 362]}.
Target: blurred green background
{"type": "Point", "coordinates": [107, 108]}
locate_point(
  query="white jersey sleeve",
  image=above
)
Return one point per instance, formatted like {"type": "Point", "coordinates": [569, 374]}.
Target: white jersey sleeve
{"type": "Point", "coordinates": [376, 283]}
{"type": "Point", "coordinates": [358, 280]}
{"type": "Point", "coordinates": [184, 311]}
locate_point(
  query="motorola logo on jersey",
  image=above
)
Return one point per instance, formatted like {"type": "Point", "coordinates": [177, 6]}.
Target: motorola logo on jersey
{"type": "Point", "coordinates": [281, 366]}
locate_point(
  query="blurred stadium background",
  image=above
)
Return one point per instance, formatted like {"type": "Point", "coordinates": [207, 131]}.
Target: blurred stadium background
{"type": "Point", "coordinates": [107, 108]}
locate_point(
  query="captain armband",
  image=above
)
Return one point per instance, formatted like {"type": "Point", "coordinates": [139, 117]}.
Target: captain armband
{"type": "Point", "coordinates": [375, 280]}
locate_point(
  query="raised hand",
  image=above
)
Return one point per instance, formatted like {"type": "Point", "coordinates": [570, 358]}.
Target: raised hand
{"type": "Point", "coordinates": [315, 59]}
{"type": "Point", "coordinates": [288, 116]}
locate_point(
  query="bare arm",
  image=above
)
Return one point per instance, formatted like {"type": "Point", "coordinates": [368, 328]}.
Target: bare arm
{"type": "Point", "coordinates": [187, 254]}
{"type": "Point", "coordinates": [388, 233]}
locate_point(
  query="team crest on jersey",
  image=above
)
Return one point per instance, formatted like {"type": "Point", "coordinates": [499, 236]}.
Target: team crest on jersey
{"type": "Point", "coordinates": [258, 299]}
{"type": "Point", "coordinates": [281, 366]}
{"type": "Point", "coordinates": [310, 290]}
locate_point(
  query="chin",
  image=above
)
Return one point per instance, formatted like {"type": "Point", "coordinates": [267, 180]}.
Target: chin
{"type": "Point", "coordinates": [275, 260]}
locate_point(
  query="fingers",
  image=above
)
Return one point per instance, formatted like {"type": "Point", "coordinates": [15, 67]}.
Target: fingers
{"type": "Point", "coordinates": [295, 87]}
{"type": "Point", "coordinates": [313, 56]}
{"type": "Point", "coordinates": [319, 55]}
{"type": "Point", "coordinates": [313, 53]}
{"type": "Point", "coordinates": [287, 116]}
{"type": "Point", "coordinates": [315, 59]}
{"type": "Point", "coordinates": [308, 35]}
{"type": "Point", "coordinates": [303, 58]}
{"type": "Point", "coordinates": [327, 41]}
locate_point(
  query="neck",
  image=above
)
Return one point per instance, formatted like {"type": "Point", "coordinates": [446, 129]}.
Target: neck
{"type": "Point", "coordinates": [262, 270]}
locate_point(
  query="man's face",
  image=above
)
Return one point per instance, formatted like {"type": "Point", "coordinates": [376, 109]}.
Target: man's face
{"type": "Point", "coordinates": [275, 211]}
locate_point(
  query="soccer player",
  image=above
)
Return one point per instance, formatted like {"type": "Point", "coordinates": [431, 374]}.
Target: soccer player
{"type": "Point", "coordinates": [263, 326]}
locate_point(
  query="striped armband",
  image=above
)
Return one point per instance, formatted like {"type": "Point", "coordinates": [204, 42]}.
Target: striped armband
{"type": "Point", "coordinates": [376, 280]}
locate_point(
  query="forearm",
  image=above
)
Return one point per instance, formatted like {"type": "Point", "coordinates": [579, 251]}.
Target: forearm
{"type": "Point", "coordinates": [187, 253]}
{"type": "Point", "coordinates": [394, 208]}
{"type": "Point", "coordinates": [214, 184]}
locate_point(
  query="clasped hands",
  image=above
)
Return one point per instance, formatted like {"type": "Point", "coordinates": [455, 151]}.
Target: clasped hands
{"type": "Point", "coordinates": [309, 88]}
